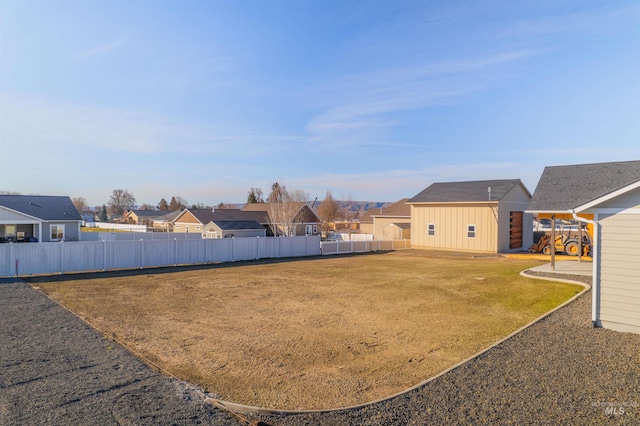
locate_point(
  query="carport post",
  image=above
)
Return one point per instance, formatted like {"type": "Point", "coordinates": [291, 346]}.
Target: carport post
{"type": "Point", "coordinates": [553, 242]}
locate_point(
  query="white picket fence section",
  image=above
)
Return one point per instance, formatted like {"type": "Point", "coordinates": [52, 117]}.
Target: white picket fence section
{"type": "Point", "coordinates": [20, 259]}
{"type": "Point", "coordinates": [344, 247]}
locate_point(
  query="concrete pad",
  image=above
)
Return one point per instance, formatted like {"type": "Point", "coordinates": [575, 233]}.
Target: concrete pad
{"type": "Point", "coordinates": [567, 267]}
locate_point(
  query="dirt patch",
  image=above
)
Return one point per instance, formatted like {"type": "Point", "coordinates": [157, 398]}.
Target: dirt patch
{"type": "Point", "coordinates": [318, 333]}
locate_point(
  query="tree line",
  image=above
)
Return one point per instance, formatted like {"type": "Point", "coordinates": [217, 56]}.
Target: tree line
{"type": "Point", "coordinates": [282, 202]}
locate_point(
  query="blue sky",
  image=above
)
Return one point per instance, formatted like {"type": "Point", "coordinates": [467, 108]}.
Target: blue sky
{"type": "Point", "coordinates": [373, 100]}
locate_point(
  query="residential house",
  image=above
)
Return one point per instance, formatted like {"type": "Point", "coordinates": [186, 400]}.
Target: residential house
{"type": "Point", "coordinates": [393, 222]}
{"type": "Point", "coordinates": [303, 219]}
{"type": "Point", "coordinates": [38, 218]}
{"type": "Point", "coordinates": [165, 223]}
{"type": "Point", "coordinates": [229, 223]}
{"type": "Point", "coordinates": [606, 196]}
{"type": "Point", "coordinates": [479, 216]}
{"type": "Point", "coordinates": [143, 217]}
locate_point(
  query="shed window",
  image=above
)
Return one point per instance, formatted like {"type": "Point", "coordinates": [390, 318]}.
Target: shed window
{"type": "Point", "coordinates": [431, 229]}
{"type": "Point", "coordinates": [471, 231]}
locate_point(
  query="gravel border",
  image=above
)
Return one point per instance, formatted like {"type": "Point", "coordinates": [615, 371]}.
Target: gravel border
{"type": "Point", "coordinates": [55, 369]}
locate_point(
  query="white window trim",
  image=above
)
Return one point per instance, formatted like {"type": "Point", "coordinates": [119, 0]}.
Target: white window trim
{"type": "Point", "coordinates": [51, 232]}
{"type": "Point", "coordinates": [475, 230]}
{"type": "Point", "coordinates": [429, 230]}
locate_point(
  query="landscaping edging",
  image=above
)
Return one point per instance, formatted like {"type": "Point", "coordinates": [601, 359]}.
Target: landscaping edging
{"type": "Point", "coordinates": [241, 408]}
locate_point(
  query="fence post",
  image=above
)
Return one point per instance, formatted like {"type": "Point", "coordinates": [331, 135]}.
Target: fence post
{"type": "Point", "coordinates": [141, 253]}
{"type": "Point", "coordinates": [104, 255]}
{"type": "Point", "coordinates": [175, 252]}
{"type": "Point", "coordinates": [13, 261]}
{"type": "Point", "coordinates": [61, 257]}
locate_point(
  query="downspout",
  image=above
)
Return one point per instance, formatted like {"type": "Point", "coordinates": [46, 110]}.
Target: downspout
{"type": "Point", "coordinates": [595, 282]}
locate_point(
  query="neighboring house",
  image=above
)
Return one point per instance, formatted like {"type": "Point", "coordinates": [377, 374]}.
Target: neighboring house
{"type": "Point", "coordinates": [165, 223]}
{"type": "Point", "coordinates": [480, 216]}
{"type": "Point", "coordinates": [606, 195]}
{"type": "Point", "coordinates": [143, 217]}
{"type": "Point", "coordinates": [186, 222]}
{"type": "Point", "coordinates": [229, 223]}
{"type": "Point", "coordinates": [88, 215]}
{"type": "Point", "coordinates": [304, 220]}
{"type": "Point", "coordinates": [393, 222]}
{"type": "Point", "coordinates": [38, 218]}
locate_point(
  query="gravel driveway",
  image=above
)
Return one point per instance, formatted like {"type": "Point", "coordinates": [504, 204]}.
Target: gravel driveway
{"type": "Point", "coordinates": [54, 369]}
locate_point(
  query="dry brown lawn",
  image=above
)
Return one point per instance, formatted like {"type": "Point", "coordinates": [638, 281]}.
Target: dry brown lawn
{"type": "Point", "coordinates": [316, 333]}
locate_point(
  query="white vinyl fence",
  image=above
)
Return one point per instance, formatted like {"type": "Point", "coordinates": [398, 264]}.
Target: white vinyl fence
{"type": "Point", "coordinates": [18, 259]}
{"type": "Point", "coordinates": [83, 256]}
{"type": "Point", "coordinates": [131, 236]}
{"type": "Point", "coordinates": [344, 247]}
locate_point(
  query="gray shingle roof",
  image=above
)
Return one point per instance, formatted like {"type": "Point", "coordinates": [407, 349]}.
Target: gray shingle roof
{"type": "Point", "coordinates": [460, 192]}
{"type": "Point", "coordinates": [230, 225]}
{"type": "Point", "coordinates": [227, 215]}
{"type": "Point", "coordinates": [563, 188]}
{"type": "Point", "coordinates": [43, 207]}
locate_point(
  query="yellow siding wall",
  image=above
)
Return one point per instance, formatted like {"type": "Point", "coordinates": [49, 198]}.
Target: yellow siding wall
{"type": "Point", "coordinates": [382, 222]}
{"type": "Point", "coordinates": [451, 227]}
{"type": "Point", "coordinates": [187, 223]}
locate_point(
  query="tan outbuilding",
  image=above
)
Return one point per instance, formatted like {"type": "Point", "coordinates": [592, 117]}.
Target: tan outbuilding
{"type": "Point", "coordinates": [480, 216]}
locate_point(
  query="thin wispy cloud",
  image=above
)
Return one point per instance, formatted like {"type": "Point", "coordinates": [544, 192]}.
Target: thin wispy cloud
{"type": "Point", "coordinates": [360, 103]}
{"type": "Point", "coordinates": [592, 21]}
{"type": "Point", "coordinates": [104, 48]}
{"type": "Point", "coordinates": [69, 126]}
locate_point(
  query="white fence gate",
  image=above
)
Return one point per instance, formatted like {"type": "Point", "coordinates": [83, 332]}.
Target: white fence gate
{"type": "Point", "coordinates": [87, 256]}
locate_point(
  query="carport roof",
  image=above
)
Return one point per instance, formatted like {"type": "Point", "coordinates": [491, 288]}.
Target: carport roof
{"type": "Point", "coordinates": [564, 188]}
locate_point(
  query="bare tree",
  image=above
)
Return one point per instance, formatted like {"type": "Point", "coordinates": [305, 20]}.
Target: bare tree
{"type": "Point", "coordinates": [120, 200]}
{"type": "Point", "coordinates": [329, 211]}
{"type": "Point", "coordinates": [147, 207]}
{"type": "Point", "coordinates": [285, 207]}
{"type": "Point", "coordinates": [80, 203]}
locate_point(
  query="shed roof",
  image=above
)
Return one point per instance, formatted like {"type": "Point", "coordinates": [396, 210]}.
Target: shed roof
{"type": "Point", "coordinates": [564, 188]}
{"type": "Point", "coordinates": [43, 207]}
{"type": "Point", "coordinates": [471, 191]}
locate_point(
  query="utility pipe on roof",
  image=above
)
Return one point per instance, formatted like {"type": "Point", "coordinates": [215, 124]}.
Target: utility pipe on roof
{"type": "Point", "coordinates": [595, 281]}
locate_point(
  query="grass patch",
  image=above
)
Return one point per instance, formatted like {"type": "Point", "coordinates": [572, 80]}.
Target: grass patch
{"type": "Point", "coordinates": [315, 333]}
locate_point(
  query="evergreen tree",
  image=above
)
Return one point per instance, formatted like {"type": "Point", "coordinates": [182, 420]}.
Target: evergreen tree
{"type": "Point", "coordinates": [163, 205]}
{"type": "Point", "coordinates": [103, 216]}
{"type": "Point", "coordinates": [255, 196]}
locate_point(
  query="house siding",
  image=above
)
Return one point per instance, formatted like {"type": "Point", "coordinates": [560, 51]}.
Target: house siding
{"type": "Point", "coordinates": [451, 226]}
{"type": "Point", "coordinates": [15, 217]}
{"type": "Point", "coordinates": [187, 222]}
{"type": "Point", "coordinates": [380, 224]}
{"type": "Point", "coordinates": [619, 301]}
